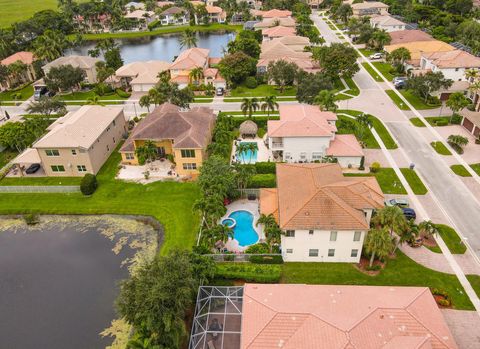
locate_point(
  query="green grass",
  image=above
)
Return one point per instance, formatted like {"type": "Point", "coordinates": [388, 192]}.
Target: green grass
{"type": "Point", "coordinates": [378, 125]}
{"type": "Point", "coordinates": [40, 181]}
{"type": "Point", "coordinates": [417, 122]}
{"type": "Point", "coordinates": [432, 120]}
{"type": "Point", "coordinates": [434, 249]}
{"type": "Point", "coordinates": [414, 181]}
{"type": "Point", "coordinates": [369, 140]}
{"type": "Point", "coordinates": [6, 156]}
{"type": "Point", "coordinates": [398, 102]}
{"type": "Point", "coordinates": [353, 88]}
{"type": "Point", "coordinates": [476, 168]}
{"type": "Point", "coordinates": [367, 52]}
{"type": "Point", "coordinates": [164, 30]}
{"type": "Point", "coordinates": [169, 202]}
{"type": "Point", "coordinates": [262, 91]}
{"type": "Point", "coordinates": [416, 101]}
{"type": "Point", "coordinates": [203, 100]}
{"type": "Point", "coordinates": [474, 280]}
{"type": "Point", "coordinates": [372, 72]}
{"type": "Point", "coordinates": [385, 69]}
{"type": "Point", "coordinates": [440, 148]}
{"type": "Point", "coordinates": [387, 179]}
{"type": "Point", "coordinates": [401, 271]}
{"type": "Point", "coordinates": [25, 92]}
{"type": "Point", "coordinates": [451, 239]}
{"type": "Point", "coordinates": [460, 170]}
{"type": "Point", "coordinates": [83, 96]}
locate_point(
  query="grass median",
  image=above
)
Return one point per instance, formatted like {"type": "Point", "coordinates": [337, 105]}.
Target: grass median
{"type": "Point", "coordinates": [440, 148]}
{"type": "Point", "coordinates": [414, 181]}
{"type": "Point", "coordinates": [460, 170]}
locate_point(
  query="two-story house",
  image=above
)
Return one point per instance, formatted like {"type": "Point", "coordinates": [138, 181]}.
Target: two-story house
{"type": "Point", "coordinates": [324, 215]}
{"type": "Point", "coordinates": [23, 57]}
{"type": "Point", "coordinates": [453, 64]}
{"type": "Point", "coordinates": [369, 8]}
{"type": "Point", "coordinates": [306, 134]}
{"type": "Point", "coordinates": [174, 16]}
{"type": "Point", "coordinates": [387, 23]}
{"type": "Point", "coordinates": [79, 142]}
{"type": "Point", "coordinates": [184, 135]}
{"type": "Point", "coordinates": [86, 63]}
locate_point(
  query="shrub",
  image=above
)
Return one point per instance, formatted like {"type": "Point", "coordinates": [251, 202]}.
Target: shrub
{"type": "Point", "coordinates": [374, 167]}
{"type": "Point", "coordinates": [261, 121]}
{"type": "Point", "coordinates": [261, 132]}
{"type": "Point", "coordinates": [375, 267]}
{"type": "Point", "coordinates": [201, 249]}
{"type": "Point", "coordinates": [88, 184]}
{"type": "Point", "coordinates": [258, 248]}
{"type": "Point", "coordinates": [251, 82]}
{"type": "Point", "coordinates": [122, 93]}
{"type": "Point", "coordinates": [456, 119]}
{"type": "Point", "coordinates": [442, 122]}
{"type": "Point", "coordinates": [31, 219]}
{"type": "Point", "coordinates": [266, 259]}
{"type": "Point", "coordinates": [362, 164]}
{"type": "Point", "coordinates": [249, 272]}
{"type": "Point", "coordinates": [102, 89]}
{"type": "Point", "coordinates": [265, 167]}
{"type": "Point", "coordinates": [263, 181]}
{"type": "Point", "coordinates": [444, 302]}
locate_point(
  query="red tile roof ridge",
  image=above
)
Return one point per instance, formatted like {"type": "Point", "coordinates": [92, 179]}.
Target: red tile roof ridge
{"type": "Point", "coordinates": [354, 182]}
{"type": "Point", "coordinates": [349, 209]}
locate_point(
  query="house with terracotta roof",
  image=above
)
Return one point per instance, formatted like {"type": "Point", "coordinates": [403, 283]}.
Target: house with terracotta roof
{"type": "Point", "coordinates": [405, 36]}
{"type": "Point", "coordinates": [273, 13]}
{"type": "Point", "coordinates": [193, 58]}
{"type": "Point", "coordinates": [174, 16]}
{"type": "Point", "coordinates": [141, 17]}
{"type": "Point", "coordinates": [86, 63]}
{"type": "Point", "coordinates": [273, 22]}
{"type": "Point", "coordinates": [325, 216]}
{"type": "Point", "coordinates": [369, 8]}
{"type": "Point", "coordinates": [387, 23]}
{"type": "Point", "coordinates": [306, 134]}
{"type": "Point", "coordinates": [141, 76]}
{"type": "Point", "coordinates": [453, 64]}
{"type": "Point", "coordinates": [277, 32]}
{"type": "Point", "coordinates": [79, 142]}
{"type": "Point", "coordinates": [215, 13]}
{"type": "Point", "coordinates": [418, 48]}
{"type": "Point", "coordinates": [24, 57]}
{"type": "Point", "coordinates": [184, 135]}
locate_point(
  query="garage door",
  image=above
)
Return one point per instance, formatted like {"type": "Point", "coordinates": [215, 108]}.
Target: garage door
{"type": "Point", "coordinates": [468, 124]}
{"type": "Point", "coordinates": [142, 87]}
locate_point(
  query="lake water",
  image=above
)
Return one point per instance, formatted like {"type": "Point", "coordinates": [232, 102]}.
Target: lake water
{"type": "Point", "coordinates": [164, 47]}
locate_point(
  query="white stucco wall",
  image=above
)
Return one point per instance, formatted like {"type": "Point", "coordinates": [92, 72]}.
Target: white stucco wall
{"type": "Point", "coordinates": [456, 74]}
{"type": "Point", "coordinates": [297, 145]}
{"type": "Point", "coordinates": [345, 161]}
{"type": "Point", "coordinates": [391, 28]}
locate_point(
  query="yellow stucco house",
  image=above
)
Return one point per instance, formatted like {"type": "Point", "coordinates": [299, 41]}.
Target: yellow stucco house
{"type": "Point", "coordinates": [183, 134]}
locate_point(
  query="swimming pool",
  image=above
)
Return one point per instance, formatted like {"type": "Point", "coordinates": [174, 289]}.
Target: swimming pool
{"type": "Point", "coordinates": [243, 230]}
{"type": "Point", "coordinates": [248, 156]}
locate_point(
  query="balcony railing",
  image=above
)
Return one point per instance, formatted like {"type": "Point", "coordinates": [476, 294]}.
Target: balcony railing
{"type": "Point", "coordinates": [277, 145]}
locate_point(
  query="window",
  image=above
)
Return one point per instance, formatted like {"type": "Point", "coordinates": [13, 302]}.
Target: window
{"type": "Point", "coordinates": [310, 232]}
{"type": "Point", "coordinates": [316, 155]}
{"type": "Point", "coordinates": [58, 168]}
{"type": "Point", "coordinates": [82, 168]}
{"type": "Point", "coordinates": [333, 236]}
{"type": "Point", "coordinates": [74, 152]}
{"type": "Point", "coordinates": [354, 253]}
{"type": "Point", "coordinates": [290, 233]}
{"type": "Point", "coordinates": [313, 252]}
{"type": "Point", "coordinates": [113, 122]}
{"type": "Point", "coordinates": [331, 252]}
{"type": "Point", "coordinates": [52, 152]}
{"type": "Point", "coordinates": [188, 153]}
{"type": "Point", "coordinates": [129, 156]}
{"type": "Point", "coordinates": [303, 156]}
{"type": "Point", "coordinates": [357, 236]}
{"type": "Point", "coordinates": [289, 250]}
{"type": "Point", "coordinates": [288, 156]}
{"type": "Point", "coordinates": [190, 166]}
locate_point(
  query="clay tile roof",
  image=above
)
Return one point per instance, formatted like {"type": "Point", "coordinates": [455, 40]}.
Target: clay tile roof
{"type": "Point", "coordinates": [368, 5]}
{"type": "Point", "coordinates": [339, 317]}
{"type": "Point", "coordinates": [84, 62]}
{"type": "Point", "coordinates": [278, 31]}
{"type": "Point", "coordinates": [213, 9]}
{"type": "Point", "coordinates": [417, 48]}
{"type": "Point", "coordinates": [187, 129]}
{"type": "Point", "coordinates": [404, 36]}
{"type": "Point", "coordinates": [273, 22]}
{"type": "Point", "coordinates": [23, 56]}
{"type": "Point", "coordinates": [386, 20]}
{"type": "Point", "coordinates": [139, 14]}
{"type": "Point", "coordinates": [453, 59]}
{"type": "Point", "coordinates": [345, 145]}
{"type": "Point", "coordinates": [276, 13]}
{"type": "Point", "coordinates": [173, 11]}
{"type": "Point", "coordinates": [323, 198]}
{"type": "Point", "coordinates": [191, 58]}
{"type": "Point", "coordinates": [269, 202]}
{"type": "Point", "coordinates": [142, 72]}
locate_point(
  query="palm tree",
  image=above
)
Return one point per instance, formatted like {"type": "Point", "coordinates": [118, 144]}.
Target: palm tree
{"type": "Point", "coordinates": [390, 217]}
{"type": "Point", "coordinates": [17, 71]}
{"type": "Point", "coordinates": [326, 100]}
{"type": "Point", "coordinates": [218, 233]}
{"type": "Point", "coordinates": [378, 243]}
{"type": "Point", "coordinates": [145, 101]}
{"type": "Point", "coordinates": [242, 148]}
{"type": "Point", "coordinates": [271, 229]}
{"type": "Point", "coordinates": [209, 89]}
{"type": "Point", "coordinates": [249, 105]}
{"type": "Point", "coordinates": [457, 142]}
{"type": "Point", "coordinates": [364, 120]}
{"type": "Point", "coordinates": [408, 234]}
{"type": "Point", "coordinates": [269, 104]}
{"type": "Point", "coordinates": [50, 45]}
{"type": "Point", "coordinates": [141, 343]}
{"type": "Point", "coordinates": [243, 174]}
{"type": "Point", "coordinates": [427, 229]}
{"type": "Point", "coordinates": [147, 151]}
{"type": "Point", "coordinates": [253, 148]}
{"type": "Point", "coordinates": [94, 100]}
{"type": "Point", "coordinates": [196, 74]}
{"type": "Point", "coordinates": [188, 39]}
{"type": "Point", "coordinates": [379, 39]}
{"type": "Point", "coordinates": [398, 57]}
{"type": "Point", "coordinates": [472, 75]}
{"type": "Point", "coordinates": [156, 97]}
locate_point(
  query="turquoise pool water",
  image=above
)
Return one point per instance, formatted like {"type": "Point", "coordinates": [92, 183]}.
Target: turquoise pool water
{"type": "Point", "coordinates": [243, 230]}
{"type": "Point", "coordinates": [248, 157]}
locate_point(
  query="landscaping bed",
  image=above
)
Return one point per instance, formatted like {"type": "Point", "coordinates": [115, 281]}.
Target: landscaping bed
{"type": "Point", "coordinates": [460, 170]}
{"type": "Point", "coordinates": [440, 148]}
{"type": "Point", "coordinates": [261, 273]}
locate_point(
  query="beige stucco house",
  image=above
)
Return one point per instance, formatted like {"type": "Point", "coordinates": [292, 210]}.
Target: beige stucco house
{"type": "Point", "coordinates": [141, 76]}
{"type": "Point", "coordinates": [24, 57]}
{"type": "Point", "coordinates": [183, 135]}
{"type": "Point", "coordinates": [86, 63]}
{"type": "Point", "coordinates": [79, 142]}
{"type": "Point", "coordinates": [369, 8]}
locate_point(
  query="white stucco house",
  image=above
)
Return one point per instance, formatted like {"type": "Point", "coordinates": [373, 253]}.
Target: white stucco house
{"type": "Point", "coordinates": [174, 16]}
{"type": "Point", "coordinates": [324, 215]}
{"type": "Point", "coordinates": [387, 23]}
{"type": "Point", "coordinates": [305, 134]}
{"type": "Point", "coordinates": [453, 64]}
{"type": "Point", "coordinates": [141, 76]}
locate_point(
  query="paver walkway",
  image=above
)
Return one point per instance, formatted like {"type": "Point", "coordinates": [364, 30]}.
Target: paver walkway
{"type": "Point", "coordinates": [427, 258]}
{"type": "Point", "coordinates": [465, 327]}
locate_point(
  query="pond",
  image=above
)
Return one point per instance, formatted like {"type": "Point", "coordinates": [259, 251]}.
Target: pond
{"type": "Point", "coordinates": [164, 47]}
{"type": "Point", "coordinates": [59, 279]}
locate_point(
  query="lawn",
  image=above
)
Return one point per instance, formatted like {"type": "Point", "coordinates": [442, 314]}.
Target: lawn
{"type": "Point", "coordinates": [401, 271]}
{"type": "Point", "coordinates": [262, 91]}
{"type": "Point", "coordinates": [460, 170]}
{"type": "Point", "coordinates": [475, 282]}
{"type": "Point", "coordinates": [443, 120]}
{"type": "Point", "coordinates": [417, 122]}
{"type": "Point", "coordinates": [6, 156]}
{"type": "Point", "coordinates": [352, 87]}
{"type": "Point", "coordinates": [385, 69]}
{"type": "Point", "coordinates": [387, 179]}
{"type": "Point", "coordinates": [415, 101]}
{"type": "Point", "coordinates": [414, 181]}
{"type": "Point", "coordinates": [367, 52]}
{"type": "Point", "coordinates": [343, 126]}
{"type": "Point", "coordinates": [372, 72]}
{"type": "Point", "coordinates": [440, 148]}
{"type": "Point", "coordinates": [202, 100]}
{"type": "Point", "coordinates": [40, 181]}
{"type": "Point", "coordinates": [451, 238]}
{"type": "Point", "coordinates": [25, 93]}
{"type": "Point", "coordinates": [85, 95]}
{"type": "Point", "coordinates": [397, 100]}
{"type": "Point", "coordinates": [476, 168]}
{"type": "Point", "coordinates": [169, 202]}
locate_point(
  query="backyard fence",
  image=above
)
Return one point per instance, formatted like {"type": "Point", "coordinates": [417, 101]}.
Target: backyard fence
{"type": "Point", "coordinates": [244, 257]}
{"type": "Point", "coordinates": [39, 189]}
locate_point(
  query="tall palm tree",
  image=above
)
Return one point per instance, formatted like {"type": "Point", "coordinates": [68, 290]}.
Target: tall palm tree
{"type": "Point", "coordinates": [269, 104]}
{"type": "Point", "coordinates": [50, 45]}
{"type": "Point", "coordinates": [196, 74]}
{"type": "Point", "coordinates": [379, 39]}
{"type": "Point", "coordinates": [390, 217]}
{"type": "Point", "coordinates": [145, 101]}
{"type": "Point", "coordinates": [249, 105]}
{"type": "Point", "coordinates": [427, 229]}
{"type": "Point", "coordinates": [243, 174]}
{"type": "Point", "coordinates": [219, 232]}
{"type": "Point", "coordinates": [188, 39]}
{"type": "Point", "coordinates": [147, 151]}
{"type": "Point", "coordinates": [17, 71]}
{"type": "Point", "coordinates": [94, 100]}
{"type": "Point", "coordinates": [407, 234]}
{"type": "Point", "coordinates": [378, 243]}
{"type": "Point", "coordinates": [242, 148]}
{"type": "Point", "coordinates": [472, 75]}
{"type": "Point", "coordinates": [364, 120]}
{"type": "Point", "coordinates": [326, 100]}
{"type": "Point", "coordinates": [271, 229]}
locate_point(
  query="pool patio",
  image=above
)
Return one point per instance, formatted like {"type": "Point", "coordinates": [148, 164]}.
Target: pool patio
{"type": "Point", "coordinates": [232, 245]}
{"type": "Point", "coordinates": [263, 154]}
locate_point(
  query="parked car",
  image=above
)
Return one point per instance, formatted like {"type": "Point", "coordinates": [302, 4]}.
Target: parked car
{"type": "Point", "coordinates": [400, 82]}
{"type": "Point", "coordinates": [397, 202]}
{"type": "Point", "coordinates": [219, 91]}
{"type": "Point", "coordinates": [409, 213]}
{"type": "Point", "coordinates": [375, 56]}
{"type": "Point", "coordinates": [32, 168]}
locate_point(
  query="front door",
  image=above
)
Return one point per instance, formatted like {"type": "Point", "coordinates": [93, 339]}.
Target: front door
{"type": "Point", "coordinates": [161, 152]}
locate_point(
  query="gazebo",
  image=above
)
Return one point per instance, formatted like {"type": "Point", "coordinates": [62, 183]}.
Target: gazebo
{"type": "Point", "coordinates": [248, 128]}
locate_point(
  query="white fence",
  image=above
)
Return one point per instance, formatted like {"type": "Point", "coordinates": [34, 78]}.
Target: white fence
{"type": "Point", "coordinates": [39, 189]}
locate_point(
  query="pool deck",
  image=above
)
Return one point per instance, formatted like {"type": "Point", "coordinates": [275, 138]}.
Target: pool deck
{"type": "Point", "coordinates": [243, 205]}
{"type": "Point", "coordinates": [263, 153]}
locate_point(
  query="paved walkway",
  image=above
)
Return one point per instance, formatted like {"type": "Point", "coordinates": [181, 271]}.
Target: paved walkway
{"type": "Point", "coordinates": [464, 326]}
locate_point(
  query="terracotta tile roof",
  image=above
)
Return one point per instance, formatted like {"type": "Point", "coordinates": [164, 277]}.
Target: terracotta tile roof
{"type": "Point", "coordinates": [331, 317]}
{"type": "Point", "coordinates": [139, 14]}
{"type": "Point", "coordinates": [190, 59]}
{"type": "Point", "coordinates": [273, 22]}
{"type": "Point", "coordinates": [214, 60]}
{"type": "Point", "coordinates": [143, 72]}
{"type": "Point", "coordinates": [368, 5]}
{"type": "Point", "coordinates": [302, 120]}
{"type": "Point", "coordinates": [173, 11]}
{"type": "Point", "coordinates": [187, 129]}
{"type": "Point", "coordinates": [405, 36]}
{"type": "Point", "coordinates": [274, 13]}
{"type": "Point", "coordinates": [279, 31]}
{"type": "Point", "coordinates": [386, 20]}
{"type": "Point", "coordinates": [214, 9]}
{"type": "Point", "coordinates": [23, 56]}
{"type": "Point", "coordinates": [417, 48]}
{"type": "Point", "coordinates": [269, 202]}
{"type": "Point", "coordinates": [453, 59]}
{"type": "Point", "coordinates": [84, 62]}
{"type": "Point", "coordinates": [318, 196]}
{"type": "Point", "coordinates": [345, 145]}
{"type": "Point", "coordinates": [286, 44]}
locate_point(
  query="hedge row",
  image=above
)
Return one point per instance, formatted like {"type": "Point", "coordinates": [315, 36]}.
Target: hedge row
{"type": "Point", "coordinates": [266, 273]}
{"type": "Point", "coordinates": [263, 181]}
{"type": "Point", "coordinates": [266, 259]}
{"type": "Point", "coordinates": [261, 121]}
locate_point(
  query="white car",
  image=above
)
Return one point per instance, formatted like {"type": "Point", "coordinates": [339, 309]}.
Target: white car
{"type": "Point", "coordinates": [397, 202]}
{"type": "Point", "coordinates": [377, 55]}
